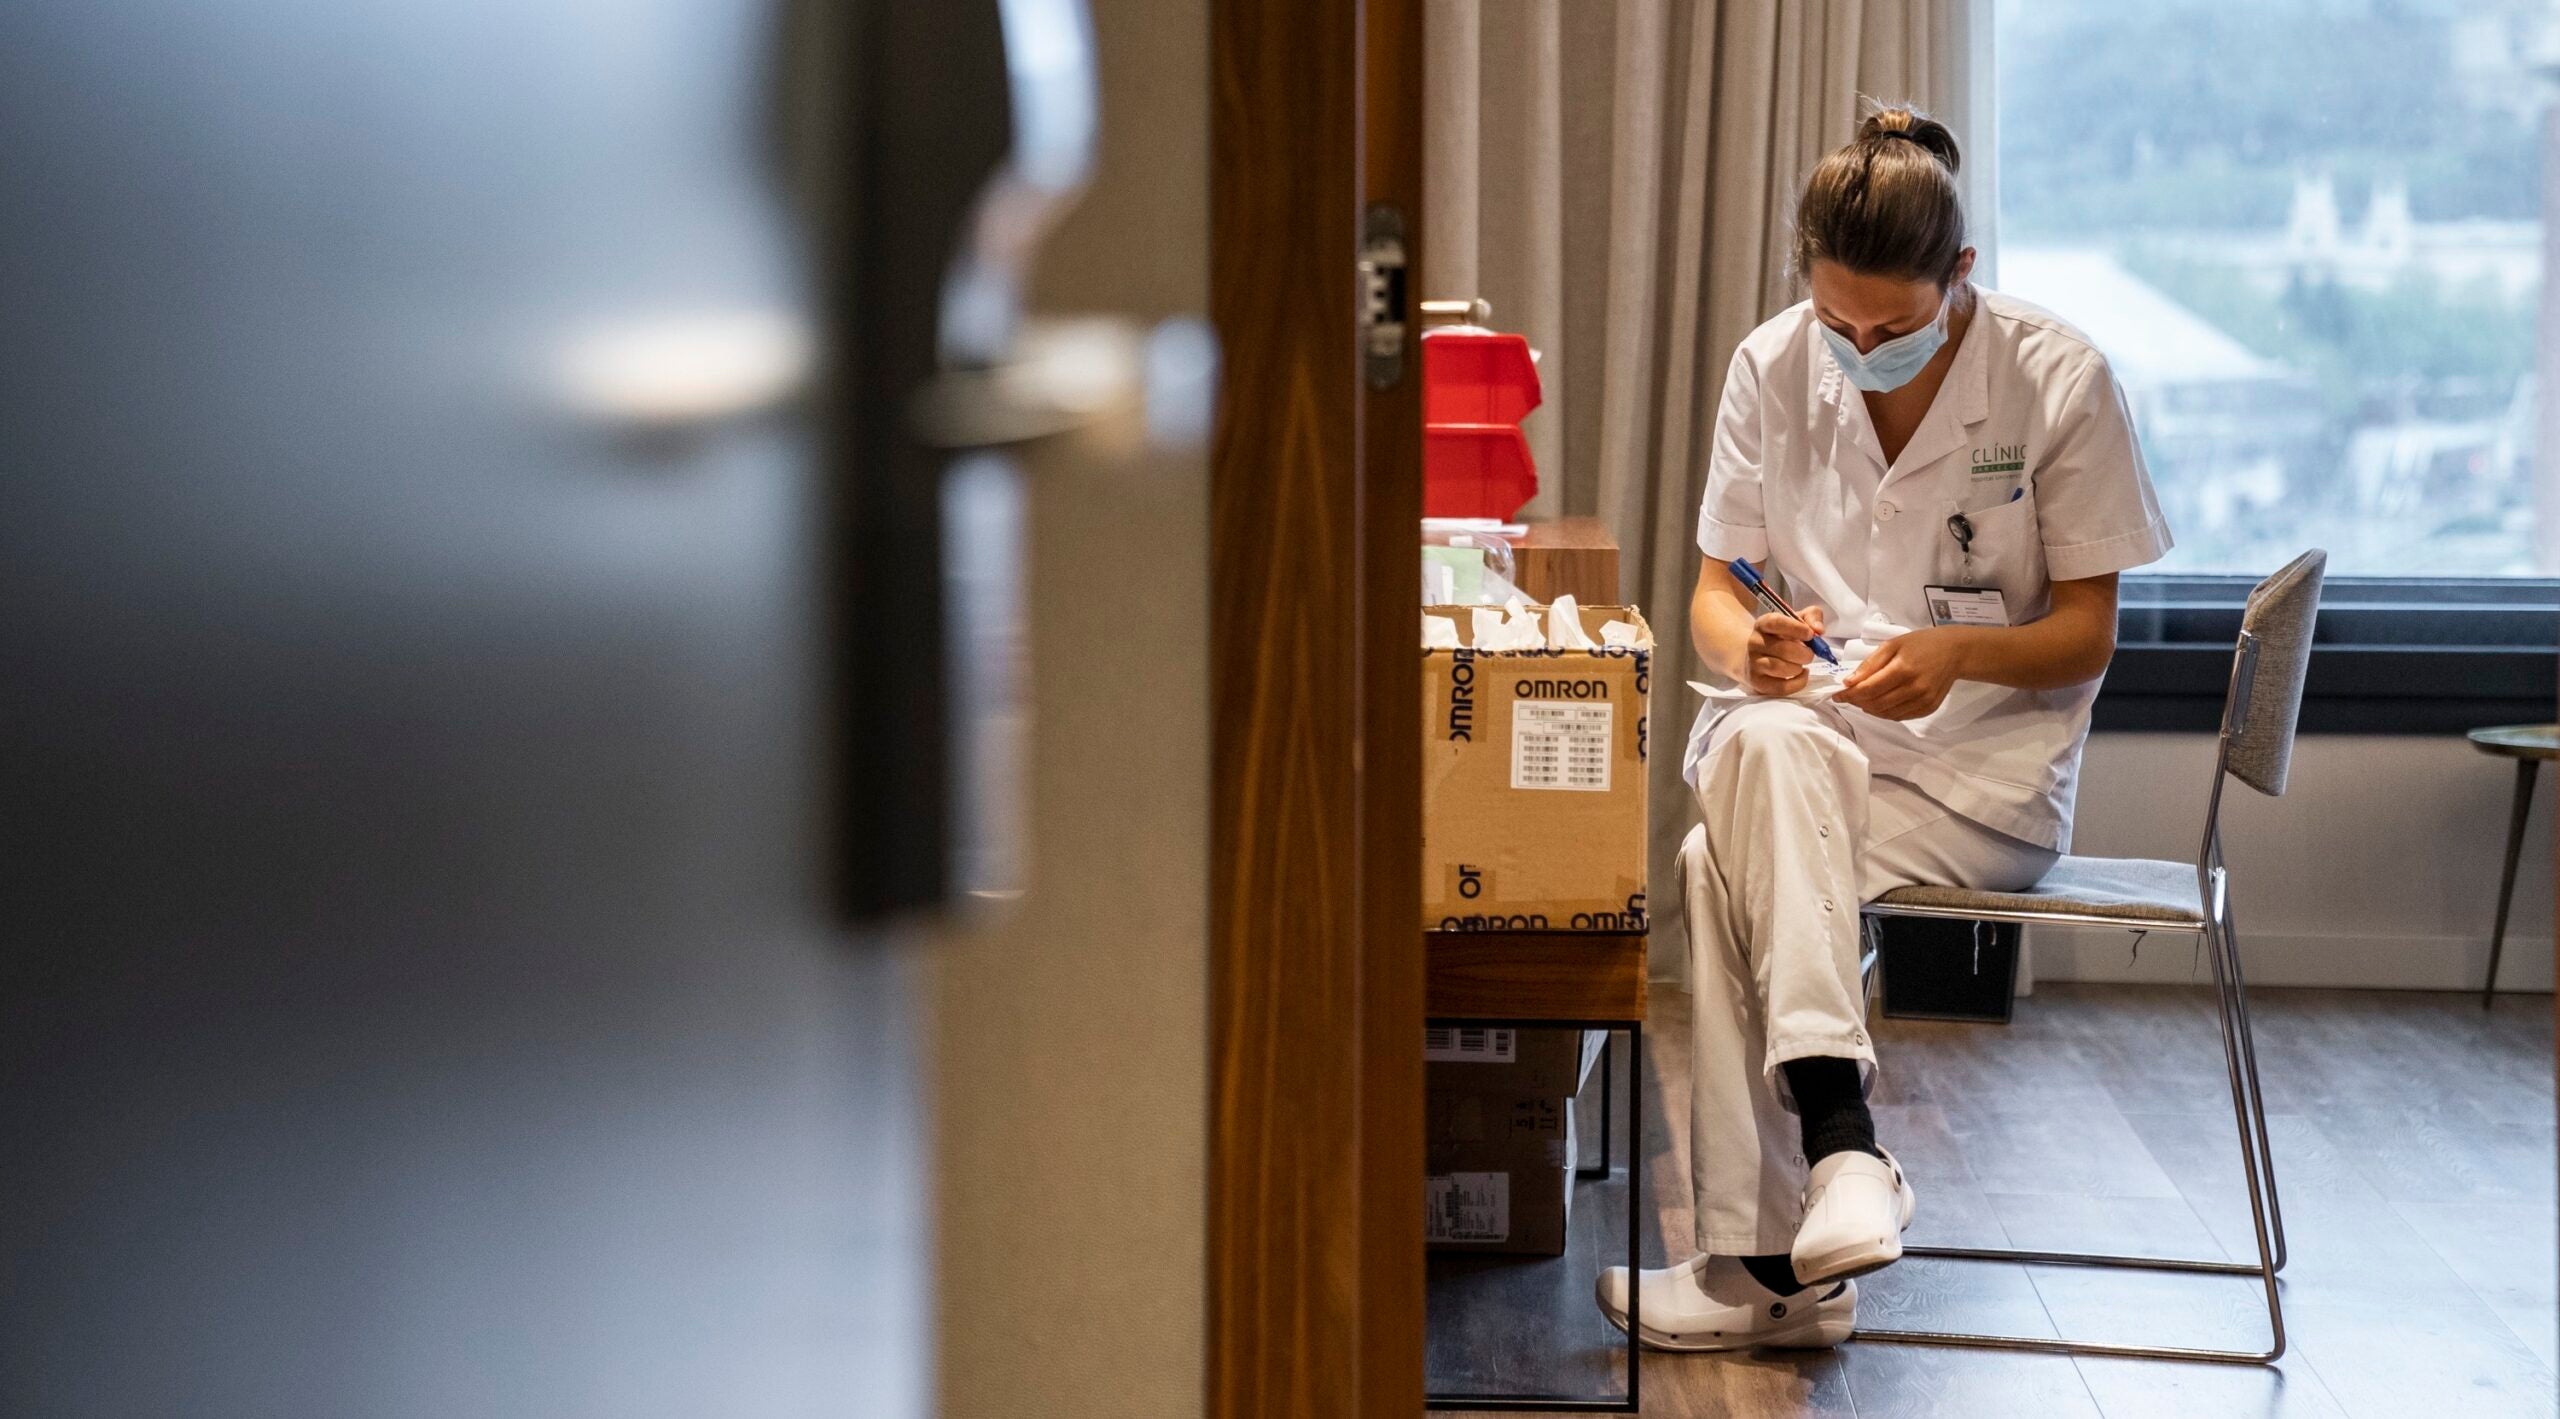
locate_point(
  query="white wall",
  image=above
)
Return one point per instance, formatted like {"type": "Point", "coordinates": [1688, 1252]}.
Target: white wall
{"type": "Point", "coordinates": [2379, 866]}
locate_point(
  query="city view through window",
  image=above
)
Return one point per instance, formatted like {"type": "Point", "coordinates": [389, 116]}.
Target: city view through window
{"type": "Point", "coordinates": [2309, 236]}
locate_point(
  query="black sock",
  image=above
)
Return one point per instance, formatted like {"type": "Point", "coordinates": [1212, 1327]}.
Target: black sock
{"type": "Point", "coordinates": [1830, 1108]}
{"type": "Point", "coordinates": [1776, 1274]}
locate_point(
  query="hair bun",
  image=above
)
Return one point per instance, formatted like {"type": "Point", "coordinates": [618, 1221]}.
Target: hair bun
{"type": "Point", "coordinates": [1902, 122]}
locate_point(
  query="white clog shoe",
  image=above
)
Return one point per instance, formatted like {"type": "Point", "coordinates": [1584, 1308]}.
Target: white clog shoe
{"type": "Point", "coordinates": [1855, 1208]}
{"type": "Point", "coordinates": [1712, 1303]}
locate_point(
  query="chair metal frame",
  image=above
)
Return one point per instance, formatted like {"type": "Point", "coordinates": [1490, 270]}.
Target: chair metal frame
{"type": "Point", "coordinates": [2240, 1056]}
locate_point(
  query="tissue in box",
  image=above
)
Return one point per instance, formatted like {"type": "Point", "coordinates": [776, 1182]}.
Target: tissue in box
{"type": "Point", "coordinates": [1533, 793]}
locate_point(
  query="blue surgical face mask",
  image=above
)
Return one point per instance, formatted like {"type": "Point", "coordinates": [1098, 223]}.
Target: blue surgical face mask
{"type": "Point", "coordinates": [1891, 364]}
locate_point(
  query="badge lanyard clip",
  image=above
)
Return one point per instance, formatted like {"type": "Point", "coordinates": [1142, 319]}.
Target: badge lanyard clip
{"type": "Point", "coordinates": [1960, 528]}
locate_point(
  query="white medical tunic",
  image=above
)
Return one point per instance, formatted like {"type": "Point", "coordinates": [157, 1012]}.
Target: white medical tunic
{"type": "Point", "coordinates": [2028, 438]}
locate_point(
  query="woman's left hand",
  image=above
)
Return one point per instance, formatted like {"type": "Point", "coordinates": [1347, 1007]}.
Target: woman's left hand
{"type": "Point", "coordinates": [1908, 676]}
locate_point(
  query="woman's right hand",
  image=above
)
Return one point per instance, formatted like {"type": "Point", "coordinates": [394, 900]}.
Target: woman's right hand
{"type": "Point", "coordinates": [1776, 659]}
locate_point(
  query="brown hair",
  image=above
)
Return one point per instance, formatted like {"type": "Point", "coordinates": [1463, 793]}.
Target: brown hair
{"type": "Point", "coordinates": [1886, 203]}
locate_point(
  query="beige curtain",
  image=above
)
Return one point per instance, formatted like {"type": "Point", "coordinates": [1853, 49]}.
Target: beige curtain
{"type": "Point", "coordinates": [1616, 177]}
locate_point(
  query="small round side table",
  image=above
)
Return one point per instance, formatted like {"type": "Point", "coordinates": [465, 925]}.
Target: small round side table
{"type": "Point", "coordinates": [2528, 745]}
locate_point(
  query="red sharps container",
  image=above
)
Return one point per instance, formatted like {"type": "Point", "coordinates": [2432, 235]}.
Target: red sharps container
{"type": "Point", "coordinates": [1476, 387]}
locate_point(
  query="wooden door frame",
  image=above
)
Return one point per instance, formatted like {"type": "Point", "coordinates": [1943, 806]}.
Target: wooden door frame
{"type": "Point", "coordinates": [1315, 1168]}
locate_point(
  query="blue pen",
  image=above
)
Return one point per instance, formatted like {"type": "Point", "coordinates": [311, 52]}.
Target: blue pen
{"type": "Point", "coordinates": [1743, 573]}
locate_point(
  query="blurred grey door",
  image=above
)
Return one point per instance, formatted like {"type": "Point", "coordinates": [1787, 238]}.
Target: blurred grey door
{"type": "Point", "coordinates": [426, 986]}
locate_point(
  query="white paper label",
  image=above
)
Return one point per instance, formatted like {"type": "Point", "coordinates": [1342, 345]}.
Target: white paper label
{"type": "Point", "coordinates": [1561, 744]}
{"type": "Point", "coordinates": [1468, 1207]}
{"type": "Point", "coordinates": [1450, 1044]}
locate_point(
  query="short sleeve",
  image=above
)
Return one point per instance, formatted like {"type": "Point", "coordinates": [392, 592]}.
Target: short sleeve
{"type": "Point", "coordinates": [1730, 521]}
{"type": "Point", "coordinates": [2095, 508]}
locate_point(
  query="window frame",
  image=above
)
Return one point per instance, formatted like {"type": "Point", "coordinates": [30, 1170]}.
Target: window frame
{"type": "Point", "coordinates": [2389, 655]}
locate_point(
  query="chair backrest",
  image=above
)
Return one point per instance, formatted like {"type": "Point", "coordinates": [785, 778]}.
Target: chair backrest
{"type": "Point", "coordinates": [2268, 668]}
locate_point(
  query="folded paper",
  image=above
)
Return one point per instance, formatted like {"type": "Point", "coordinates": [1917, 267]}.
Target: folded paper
{"type": "Point", "coordinates": [1564, 627]}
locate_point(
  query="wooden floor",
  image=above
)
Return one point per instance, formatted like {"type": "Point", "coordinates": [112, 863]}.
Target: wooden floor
{"type": "Point", "coordinates": [2414, 1153]}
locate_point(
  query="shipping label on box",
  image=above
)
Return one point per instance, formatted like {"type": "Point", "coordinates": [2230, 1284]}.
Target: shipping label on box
{"type": "Point", "coordinates": [1469, 1044]}
{"type": "Point", "coordinates": [1524, 1063]}
{"type": "Point", "coordinates": [1508, 1195]}
{"type": "Point", "coordinates": [1468, 1207]}
{"type": "Point", "coordinates": [1533, 782]}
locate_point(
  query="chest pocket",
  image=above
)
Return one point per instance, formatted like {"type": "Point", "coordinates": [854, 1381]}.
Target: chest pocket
{"type": "Point", "coordinates": [2007, 551]}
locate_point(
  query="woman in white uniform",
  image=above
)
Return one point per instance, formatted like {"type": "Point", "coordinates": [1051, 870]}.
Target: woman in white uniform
{"type": "Point", "coordinates": [1944, 483]}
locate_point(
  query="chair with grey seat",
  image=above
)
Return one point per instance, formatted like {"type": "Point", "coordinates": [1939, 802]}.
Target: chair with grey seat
{"type": "Point", "coordinates": [2258, 715]}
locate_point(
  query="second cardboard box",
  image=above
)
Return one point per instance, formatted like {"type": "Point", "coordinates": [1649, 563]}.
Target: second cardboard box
{"type": "Point", "coordinates": [1533, 783]}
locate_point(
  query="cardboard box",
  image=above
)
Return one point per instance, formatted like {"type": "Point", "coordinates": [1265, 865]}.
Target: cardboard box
{"type": "Point", "coordinates": [1533, 793]}
{"type": "Point", "coordinates": [1513, 1063]}
{"type": "Point", "coordinates": [1492, 1121]}
{"type": "Point", "coordinates": [1500, 1158]}
{"type": "Point", "coordinates": [1514, 1196]}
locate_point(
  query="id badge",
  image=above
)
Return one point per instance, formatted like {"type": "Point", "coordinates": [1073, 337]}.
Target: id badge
{"type": "Point", "coordinates": [1966, 606]}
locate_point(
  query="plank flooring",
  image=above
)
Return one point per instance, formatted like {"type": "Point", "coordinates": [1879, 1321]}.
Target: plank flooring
{"type": "Point", "coordinates": [2414, 1152]}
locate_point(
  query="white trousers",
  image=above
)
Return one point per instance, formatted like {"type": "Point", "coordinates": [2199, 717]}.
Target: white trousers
{"type": "Point", "coordinates": [1798, 833]}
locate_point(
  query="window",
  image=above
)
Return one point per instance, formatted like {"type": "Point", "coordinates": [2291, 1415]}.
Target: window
{"type": "Point", "coordinates": [2309, 236]}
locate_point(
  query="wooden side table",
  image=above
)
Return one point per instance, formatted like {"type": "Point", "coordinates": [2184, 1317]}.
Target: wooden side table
{"type": "Point", "coordinates": [2528, 745]}
{"type": "Point", "coordinates": [1478, 975]}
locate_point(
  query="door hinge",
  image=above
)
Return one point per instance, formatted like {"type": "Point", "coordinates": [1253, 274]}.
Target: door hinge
{"type": "Point", "coordinates": [1383, 308]}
